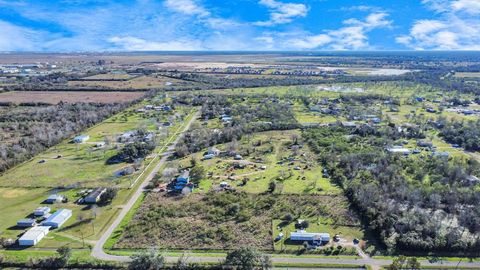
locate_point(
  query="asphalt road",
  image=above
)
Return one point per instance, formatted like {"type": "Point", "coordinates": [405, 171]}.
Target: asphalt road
{"type": "Point", "coordinates": [97, 250]}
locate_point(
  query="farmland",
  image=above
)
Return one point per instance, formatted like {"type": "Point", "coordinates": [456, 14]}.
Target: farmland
{"type": "Point", "coordinates": [138, 83]}
{"type": "Point", "coordinates": [54, 97]}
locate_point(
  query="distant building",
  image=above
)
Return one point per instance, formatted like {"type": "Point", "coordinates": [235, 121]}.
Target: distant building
{"type": "Point", "coordinates": [25, 223]}
{"type": "Point", "coordinates": [41, 211]}
{"type": "Point", "coordinates": [33, 236]}
{"type": "Point", "coordinates": [95, 195]}
{"type": "Point", "coordinates": [213, 151]}
{"type": "Point", "coordinates": [399, 150]}
{"type": "Point", "coordinates": [55, 198]}
{"type": "Point", "coordinates": [81, 138]}
{"type": "Point", "coordinates": [57, 219]}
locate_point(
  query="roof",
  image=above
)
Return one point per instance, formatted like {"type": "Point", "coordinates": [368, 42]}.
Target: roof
{"type": "Point", "coordinates": [54, 197]}
{"type": "Point", "coordinates": [26, 220]}
{"type": "Point", "coordinates": [42, 209]}
{"type": "Point", "coordinates": [59, 216]}
{"type": "Point", "coordinates": [96, 193]}
{"type": "Point", "coordinates": [303, 234]}
{"type": "Point", "coordinates": [81, 137]}
{"type": "Point", "coordinates": [35, 232]}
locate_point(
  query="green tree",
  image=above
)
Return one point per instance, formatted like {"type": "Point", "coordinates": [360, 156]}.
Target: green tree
{"type": "Point", "coordinates": [197, 173]}
{"type": "Point", "coordinates": [64, 254]}
{"type": "Point", "coordinates": [247, 258]}
{"type": "Point", "coordinates": [149, 260]}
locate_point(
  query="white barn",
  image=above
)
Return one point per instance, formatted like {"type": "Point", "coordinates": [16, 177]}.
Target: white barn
{"type": "Point", "coordinates": [57, 219]}
{"type": "Point", "coordinates": [33, 236]}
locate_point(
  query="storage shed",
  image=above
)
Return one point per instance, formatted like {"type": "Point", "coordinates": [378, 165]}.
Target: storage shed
{"type": "Point", "coordinates": [57, 219]}
{"type": "Point", "coordinates": [41, 211]}
{"type": "Point", "coordinates": [25, 223]}
{"type": "Point", "coordinates": [33, 236]}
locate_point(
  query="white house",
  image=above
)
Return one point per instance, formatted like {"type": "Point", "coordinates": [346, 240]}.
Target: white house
{"type": "Point", "coordinates": [57, 219]}
{"type": "Point", "coordinates": [302, 235]}
{"type": "Point", "coordinates": [81, 138]}
{"type": "Point", "coordinates": [33, 236]}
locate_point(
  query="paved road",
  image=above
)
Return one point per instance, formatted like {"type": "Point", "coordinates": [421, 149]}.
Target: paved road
{"type": "Point", "coordinates": [97, 250]}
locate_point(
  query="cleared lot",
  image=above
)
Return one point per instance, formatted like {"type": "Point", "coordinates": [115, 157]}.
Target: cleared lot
{"type": "Point", "coordinates": [54, 97]}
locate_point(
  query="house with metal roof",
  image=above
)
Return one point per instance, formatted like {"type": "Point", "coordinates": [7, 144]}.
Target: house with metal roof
{"type": "Point", "coordinates": [54, 198]}
{"type": "Point", "coordinates": [33, 236]}
{"type": "Point", "coordinates": [94, 196]}
{"type": "Point", "coordinates": [81, 138]}
{"type": "Point", "coordinates": [41, 211]}
{"type": "Point", "coordinates": [25, 223]}
{"type": "Point", "coordinates": [57, 219]}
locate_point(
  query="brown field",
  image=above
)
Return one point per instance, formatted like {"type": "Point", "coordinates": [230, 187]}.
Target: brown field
{"type": "Point", "coordinates": [54, 97]}
{"type": "Point", "coordinates": [144, 82]}
{"type": "Point", "coordinates": [467, 74]}
{"type": "Point", "coordinates": [109, 76]}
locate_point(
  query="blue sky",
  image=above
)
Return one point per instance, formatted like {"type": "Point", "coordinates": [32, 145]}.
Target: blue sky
{"type": "Point", "coordinates": [121, 25]}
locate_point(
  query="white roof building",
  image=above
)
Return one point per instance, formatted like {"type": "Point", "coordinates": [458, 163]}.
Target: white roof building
{"type": "Point", "coordinates": [33, 236]}
{"type": "Point", "coordinates": [306, 236]}
{"type": "Point", "coordinates": [58, 218]}
{"type": "Point", "coordinates": [41, 211]}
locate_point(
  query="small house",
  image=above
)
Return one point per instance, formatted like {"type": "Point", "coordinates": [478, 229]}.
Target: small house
{"type": "Point", "coordinates": [81, 138]}
{"type": "Point", "coordinates": [41, 211]}
{"type": "Point", "coordinates": [208, 156]}
{"type": "Point", "coordinates": [55, 198]}
{"type": "Point", "coordinates": [33, 236]}
{"type": "Point", "coordinates": [25, 223]}
{"type": "Point", "coordinates": [399, 150]}
{"type": "Point", "coordinates": [302, 235]}
{"type": "Point", "coordinates": [238, 157]}
{"type": "Point", "coordinates": [213, 151]}
{"type": "Point", "coordinates": [57, 219]}
{"type": "Point", "coordinates": [94, 196]}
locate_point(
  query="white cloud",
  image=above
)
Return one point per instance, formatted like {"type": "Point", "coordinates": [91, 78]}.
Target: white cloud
{"type": "Point", "coordinates": [281, 13]}
{"type": "Point", "coordinates": [457, 28]}
{"type": "Point", "coordinates": [129, 43]}
{"type": "Point", "coordinates": [469, 6]}
{"type": "Point", "coordinates": [189, 7]}
{"type": "Point", "coordinates": [353, 36]}
{"type": "Point", "coordinates": [17, 38]}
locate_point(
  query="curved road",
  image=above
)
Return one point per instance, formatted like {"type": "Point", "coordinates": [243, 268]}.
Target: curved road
{"type": "Point", "coordinates": [99, 253]}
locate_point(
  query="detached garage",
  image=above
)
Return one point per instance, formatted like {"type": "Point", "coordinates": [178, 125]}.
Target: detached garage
{"type": "Point", "coordinates": [33, 236]}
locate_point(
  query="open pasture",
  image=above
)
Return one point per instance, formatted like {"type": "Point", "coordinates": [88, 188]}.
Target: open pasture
{"type": "Point", "coordinates": [143, 82]}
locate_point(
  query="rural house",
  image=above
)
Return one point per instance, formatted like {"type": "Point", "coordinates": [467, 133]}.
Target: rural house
{"type": "Point", "coordinates": [94, 196]}
{"type": "Point", "coordinates": [81, 138]}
